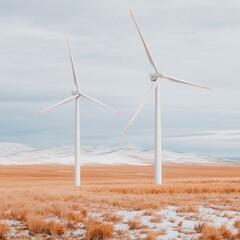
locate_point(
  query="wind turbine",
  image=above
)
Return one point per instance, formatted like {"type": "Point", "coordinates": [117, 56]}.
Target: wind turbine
{"type": "Point", "coordinates": [155, 77]}
{"type": "Point", "coordinates": [76, 96]}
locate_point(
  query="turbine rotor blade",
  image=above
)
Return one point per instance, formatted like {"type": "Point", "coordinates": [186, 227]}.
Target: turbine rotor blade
{"type": "Point", "coordinates": [73, 67]}
{"type": "Point", "coordinates": [59, 103]}
{"type": "Point", "coordinates": [98, 102]}
{"type": "Point", "coordinates": [154, 85]}
{"type": "Point", "coordinates": [185, 82]}
{"type": "Point", "coordinates": [144, 43]}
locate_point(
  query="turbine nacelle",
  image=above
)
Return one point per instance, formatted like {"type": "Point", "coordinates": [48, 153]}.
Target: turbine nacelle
{"type": "Point", "coordinates": [155, 76]}
{"type": "Point", "coordinates": [76, 93]}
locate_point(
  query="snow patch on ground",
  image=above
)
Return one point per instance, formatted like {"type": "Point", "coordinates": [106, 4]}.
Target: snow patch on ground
{"type": "Point", "coordinates": [172, 224]}
{"type": "Point", "coordinates": [179, 225]}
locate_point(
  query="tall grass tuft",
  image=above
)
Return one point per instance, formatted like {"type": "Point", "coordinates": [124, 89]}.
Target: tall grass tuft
{"type": "Point", "coordinates": [4, 229]}
{"type": "Point", "coordinates": [97, 230]}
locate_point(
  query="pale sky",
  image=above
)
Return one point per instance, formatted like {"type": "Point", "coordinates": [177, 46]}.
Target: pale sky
{"type": "Point", "coordinates": [198, 41]}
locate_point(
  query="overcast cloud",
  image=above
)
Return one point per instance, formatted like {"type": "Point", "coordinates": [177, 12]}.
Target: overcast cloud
{"type": "Point", "coordinates": [197, 41]}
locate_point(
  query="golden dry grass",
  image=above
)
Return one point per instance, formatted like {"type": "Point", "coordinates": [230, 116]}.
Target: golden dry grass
{"type": "Point", "coordinates": [111, 216]}
{"type": "Point", "coordinates": [237, 224]}
{"type": "Point", "coordinates": [37, 225]}
{"type": "Point", "coordinates": [151, 236]}
{"type": "Point", "coordinates": [123, 173]}
{"type": "Point", "coordinates": [161, 232]}
{"type": "Point", "coordinates": [209, 233]}
{"type": "Point", "coordinates": [225, 232]}
{"type": "Point", "coordinates": [199, 227]}
{"type": "Point", "coordinates": [3, 231]}
{"type": "Point", "coordinates": [98, 231]}
{"type": "Point", "coordinates": [123, 235]}
{"type": "Point", "coordinates": [214, 233]}
{"type": "Point", "coordinates": [156, 218]}
{"type": "Point", "coordinates": [135, 224]}
{"type": "Point", "coordinates": [188, 208]}
{"type": "Point", "coordinates": [74, 217]}
{"type": "Point", "coordinates": [33, 194]}
{"type": "Point", "coordinates": [56, 229]}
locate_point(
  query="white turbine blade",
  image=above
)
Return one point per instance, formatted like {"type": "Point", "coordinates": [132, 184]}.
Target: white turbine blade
{"type": "Point", "coordinates": [144, 43]}
{"type": "Point", "coordinates": [59, 103]}
{"type": "Point", "coordinates": [100, 103]}
{"type": "Point", "coordinates": [185, 82]}
{"type": "Point", "coordinates": [141, 106]}
{"type": "Point", "coordinates": [73, 67]}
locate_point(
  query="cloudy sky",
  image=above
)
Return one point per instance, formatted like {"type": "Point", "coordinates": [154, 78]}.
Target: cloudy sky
{"type": "Point", "coordinates": [198, 41]}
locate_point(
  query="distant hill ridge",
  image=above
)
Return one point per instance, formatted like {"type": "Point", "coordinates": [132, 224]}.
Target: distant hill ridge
{"type": "Point", "coordinates": [21, 154]}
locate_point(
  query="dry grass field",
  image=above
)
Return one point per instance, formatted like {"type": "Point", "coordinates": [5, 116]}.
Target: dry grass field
{"type": "Point", "coordinates": [120, 202]}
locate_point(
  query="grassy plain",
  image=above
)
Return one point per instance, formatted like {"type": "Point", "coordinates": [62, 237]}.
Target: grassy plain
{"type": "Point", "coordinates": [118, 202]}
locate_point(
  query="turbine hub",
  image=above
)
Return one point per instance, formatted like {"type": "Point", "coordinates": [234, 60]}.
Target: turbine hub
{"type": "Point", "coordinates": [75, 93]}
{"type": "Point", "coordinates": [155, 76]}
